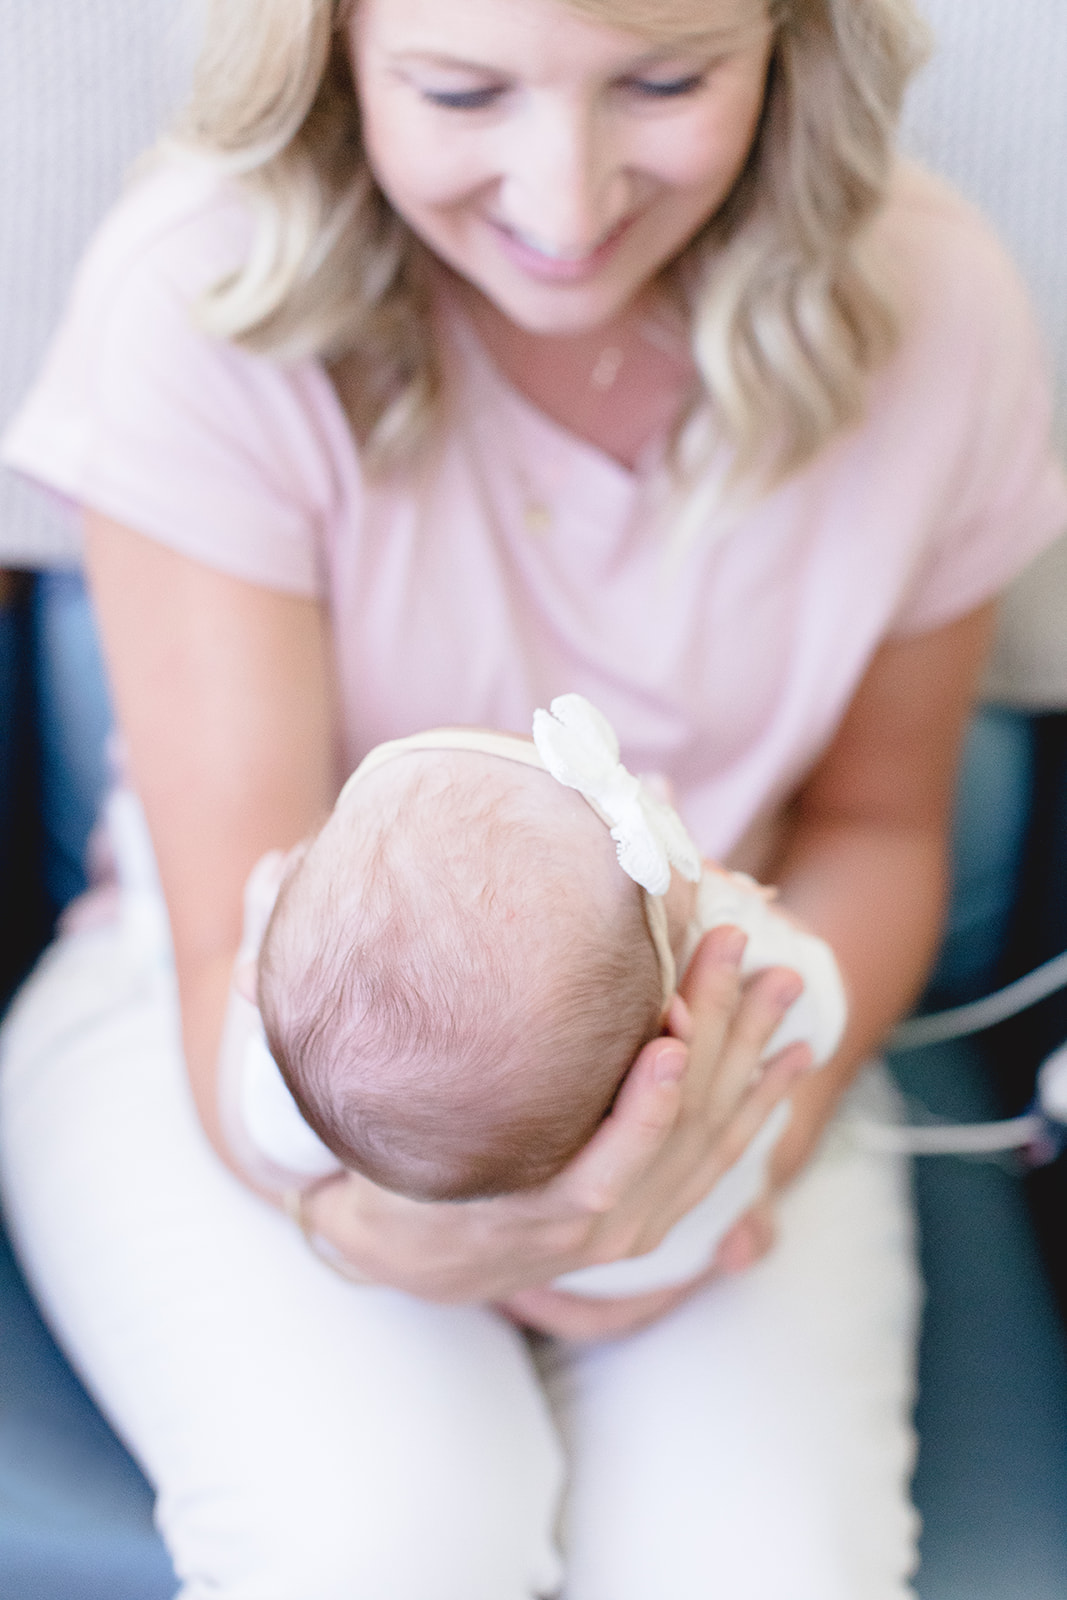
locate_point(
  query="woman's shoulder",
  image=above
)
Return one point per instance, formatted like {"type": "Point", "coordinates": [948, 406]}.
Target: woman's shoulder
{"type": "Point", "coordinates": [943, 259]}
{"type": "Point", "coordinates": [970, 352]}
{"type": "Point", "coordinates": [965, 400]}
{"type": "Point", "coordinates": [141, 412]}
{"type": "Point", "coordinates": [179, 223]}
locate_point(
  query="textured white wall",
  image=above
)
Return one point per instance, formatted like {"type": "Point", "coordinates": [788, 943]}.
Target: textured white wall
{"type": "Point", "coordinates": [85, 84]}
{"type": "Point", "coordinates": [84, 87]}
{"type": "Point", "coordinates": [990, 112]}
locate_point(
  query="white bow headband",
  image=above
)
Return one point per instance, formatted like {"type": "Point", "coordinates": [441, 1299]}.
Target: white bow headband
{"type": "Point", "coordinates": [577, 746]}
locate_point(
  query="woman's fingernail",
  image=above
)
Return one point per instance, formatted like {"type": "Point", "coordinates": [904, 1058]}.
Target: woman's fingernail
{"type": "Point", "coordinates": [799, 1058]}
{"type": "Point", "coordinates": [671, 1062]}
{"type": "Point", "coordinates": [786, 987]}
{"type": "Point", "coordinates": [730, 947]}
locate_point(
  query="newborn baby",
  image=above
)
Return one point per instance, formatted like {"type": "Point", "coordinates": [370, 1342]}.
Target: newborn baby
{"type": "Point", "coordinates": [462, 965]}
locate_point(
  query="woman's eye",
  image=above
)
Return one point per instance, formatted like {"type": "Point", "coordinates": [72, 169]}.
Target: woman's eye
{"type": "Point", "coordinates": [462, 99]}
{"type": "Point", "coordinates": [668, 88]}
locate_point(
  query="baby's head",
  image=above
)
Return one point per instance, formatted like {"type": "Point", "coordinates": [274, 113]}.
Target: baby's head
{"type": "Point", "coordinates": [458, 975]}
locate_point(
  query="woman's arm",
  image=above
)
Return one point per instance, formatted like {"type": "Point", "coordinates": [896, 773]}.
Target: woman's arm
{"type": "Point", "coordinates": [864, 864]}
{"type": "Point", "coordinates": [223, 692]}
{"type": "Point", "coordinates": [864, 859]}
{"type": "Point", "coordinates": [223, 695]}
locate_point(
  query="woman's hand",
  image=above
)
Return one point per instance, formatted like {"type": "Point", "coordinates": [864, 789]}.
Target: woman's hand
{"type": "Point", "coordinates": [582, 1319]}
{"type": "Point", "coordinates": [685, 1112]}
{"type": "Point", "coordinates": [755, 1232]}
{"type": "Point", "coordinates": [750, 1238]}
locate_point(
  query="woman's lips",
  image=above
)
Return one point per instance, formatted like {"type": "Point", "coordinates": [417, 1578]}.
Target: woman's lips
{"type": "Point", "coordinates": [536, 263]}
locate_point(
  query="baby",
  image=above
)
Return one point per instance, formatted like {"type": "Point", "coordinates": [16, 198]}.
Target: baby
{"type": "Point", "coordinates": [462, 965]}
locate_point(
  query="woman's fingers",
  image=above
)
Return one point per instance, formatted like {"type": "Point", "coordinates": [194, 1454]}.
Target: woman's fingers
{"type": "Point", "coordinates": [749, 1239]}
{"type": "Point", "coordinates": [711, 989]}
{"type": "Point", "coordinates": [628, 1141]}
{"type": "Point", "coordinates": [726, 1143]}
{"type": "Point", "coordinates": [575, 1317]}
{"type": "Point", "coordinates": [729, 1023]}
{"type": "Point", "coordinates": [677, 1123]}
{"type": "Point", "coordinates": [764, 1002]}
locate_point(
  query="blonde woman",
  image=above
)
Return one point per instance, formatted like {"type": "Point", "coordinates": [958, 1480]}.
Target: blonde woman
{"type": "Point", "coordinates": [454, 354]}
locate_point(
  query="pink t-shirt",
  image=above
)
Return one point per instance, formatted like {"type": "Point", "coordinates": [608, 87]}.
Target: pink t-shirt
{"type": "Point", "coordinates": [527, 563]}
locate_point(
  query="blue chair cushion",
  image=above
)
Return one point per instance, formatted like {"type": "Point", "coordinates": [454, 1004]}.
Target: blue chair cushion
{"type": "Point", "coordinates": [75, 1511]}
{"type": "Point", "coordinates": [991, 1482]}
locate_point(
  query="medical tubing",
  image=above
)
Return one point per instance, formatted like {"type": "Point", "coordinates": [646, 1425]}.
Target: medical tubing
{"type": "Point", "coordinates": [1042, 1126]}
{"type": "Point", "coordinates": [916, 1032]}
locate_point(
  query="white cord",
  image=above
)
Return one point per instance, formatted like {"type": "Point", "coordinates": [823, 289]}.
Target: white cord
{"type": "Point", "coordinates": [976, 1138]}
{"type": "Point", "coordinates": [941, 1025]}
{"type": "Point", "coordinates": [981, 1138]}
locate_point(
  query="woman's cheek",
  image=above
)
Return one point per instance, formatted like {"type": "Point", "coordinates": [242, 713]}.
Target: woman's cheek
{"type": "Point", "coordinates": [710, 152]}
{"type": "Point", "coordinates": [417, 166]}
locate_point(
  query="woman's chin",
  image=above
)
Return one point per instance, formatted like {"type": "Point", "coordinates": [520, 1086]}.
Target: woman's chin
{"type": "Point", "coordinates": [541, 295]}
{"type": "Point", "coordinates": [553, 310]}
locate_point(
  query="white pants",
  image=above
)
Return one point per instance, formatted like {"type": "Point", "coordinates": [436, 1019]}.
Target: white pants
{"type": "Point", "coordinates": [313, 1440]}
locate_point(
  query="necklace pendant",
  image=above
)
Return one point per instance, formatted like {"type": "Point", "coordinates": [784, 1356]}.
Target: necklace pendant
{"type": "Point", "coordinates": [606, 369]}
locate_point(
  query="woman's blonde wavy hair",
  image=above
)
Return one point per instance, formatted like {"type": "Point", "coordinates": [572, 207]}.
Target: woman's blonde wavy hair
{"type": "Point", "coordinates": [788, 317]}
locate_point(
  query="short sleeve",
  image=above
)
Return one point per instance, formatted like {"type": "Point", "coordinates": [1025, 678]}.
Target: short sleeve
{"type": "Point", "coordinates": [987, 389]}
{"type": "Point", "coordinates": [210, 449]}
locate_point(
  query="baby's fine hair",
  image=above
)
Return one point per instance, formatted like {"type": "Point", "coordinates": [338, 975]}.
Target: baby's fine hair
{"type": "Point", "coordinates": [789, 314]}
{"type": "Point", "coordinates": [457, 976]}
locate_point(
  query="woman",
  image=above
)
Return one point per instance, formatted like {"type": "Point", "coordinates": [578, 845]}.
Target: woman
{"type": "Point", "coordinates": [489, 349]}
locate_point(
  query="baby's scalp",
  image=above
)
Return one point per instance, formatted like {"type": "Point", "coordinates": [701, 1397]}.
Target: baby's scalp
{"type": "Point", "coordinates": [458, 975]}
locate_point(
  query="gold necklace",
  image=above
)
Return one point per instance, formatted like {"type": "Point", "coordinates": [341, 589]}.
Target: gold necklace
{"type": "Point", "coordinates": [606, 367]}
{"type": "Point", "coordinates": [653, 331]}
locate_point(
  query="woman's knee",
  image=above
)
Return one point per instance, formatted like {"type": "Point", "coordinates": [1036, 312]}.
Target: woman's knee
{"type": "Point", "coordinates": [418, 1464]}
{"type": "Point", "coordinates": [457, 1540]}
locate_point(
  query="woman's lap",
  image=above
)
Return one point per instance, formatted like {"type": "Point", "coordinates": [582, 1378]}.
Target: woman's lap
{"type": "Point", "coordinates": [800, 1374]}
{"type": "Point", "coordinates": [309, 1437]}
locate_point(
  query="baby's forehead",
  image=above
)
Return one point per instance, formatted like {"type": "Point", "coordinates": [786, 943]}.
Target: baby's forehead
{"type": "Point", "coordinates": [499, 817]}
{"type": "Point", "coordinates": [450, 785]}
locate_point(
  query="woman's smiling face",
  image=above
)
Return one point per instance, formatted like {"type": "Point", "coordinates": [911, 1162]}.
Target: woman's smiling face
{"type": "Point", "coordinates": [555, 163]}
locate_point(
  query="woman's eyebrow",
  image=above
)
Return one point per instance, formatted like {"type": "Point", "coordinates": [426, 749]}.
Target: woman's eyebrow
{"type": "Point", "coordinates": [438, 58]}
{"type": "Point", "coordinates": [707, 41]}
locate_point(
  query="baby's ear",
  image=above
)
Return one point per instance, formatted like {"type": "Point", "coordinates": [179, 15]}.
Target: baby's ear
{"type": "Point", "coordinates": [245, 979]}
{"type": "Point", "coordinates": [292, 857]}
{"type": "Point", "coordinates": [261, 891]}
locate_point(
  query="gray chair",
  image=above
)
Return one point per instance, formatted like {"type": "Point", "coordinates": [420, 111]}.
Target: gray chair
{"type": "Point", "coordinates": [75, 1512]}
{"type": "Point", "coordinates": [991, 1480]}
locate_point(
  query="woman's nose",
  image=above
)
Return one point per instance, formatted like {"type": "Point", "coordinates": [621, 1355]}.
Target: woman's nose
{"type": "Point", "coordinates": [564, 187]}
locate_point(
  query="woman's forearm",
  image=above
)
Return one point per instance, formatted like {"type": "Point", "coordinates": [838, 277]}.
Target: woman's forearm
{"type": "Point", "coordinates": [204, 991]}
{"type": "Point", "coordinates": [223, 691]}
{"type": "Point", "coordinates": [876, 894]}
{"type": "Point", "coordinates": [864, 858]}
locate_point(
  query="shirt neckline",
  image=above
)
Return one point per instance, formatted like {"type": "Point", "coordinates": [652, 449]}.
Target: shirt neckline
{"type": "Point", "coordinates": [494, 389]}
